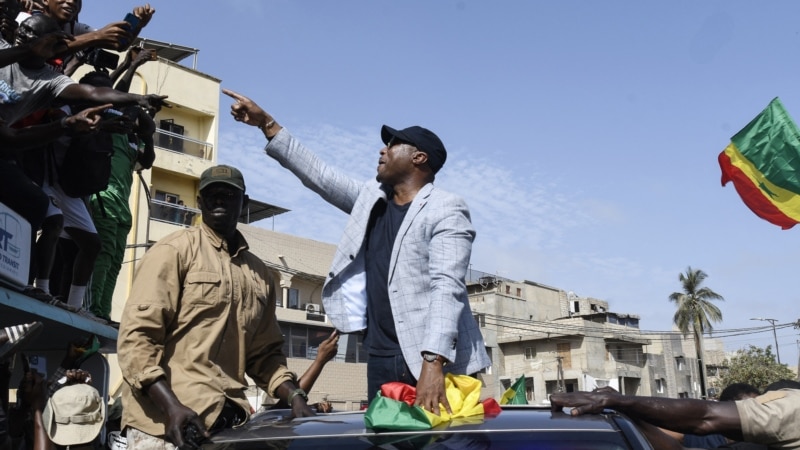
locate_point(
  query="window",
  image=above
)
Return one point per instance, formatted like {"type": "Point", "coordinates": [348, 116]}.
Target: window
{"type": "Point", "coordinates": [301, 341]}
{"type": "Point", "coordinates": [519, 292]}
{"type": "Point", "coordinates": [167, 197]}
{"type": "Point", "coordinates": [299, 344]}
{"type": "Point", "coordinates": [481, 319]}
{"type": "Point", "coordinates": [529, 389]}
{"type": "Point", "coordinates": [355, 348]}
{"type": "Point", "coordinates": [293, 298]}
{"type": "Point", "coordinates": [680, 363]}
{"type": "Point", "coordinates": [169, 141]}
{"type": "Point", "coordinates": [508, 289]}
{"type": "Point", "coordinates": [660, 385]}
{"type": "Point", "coordinates": [530, 352]}
{"type": "Point", "coordinates": [163, 209]}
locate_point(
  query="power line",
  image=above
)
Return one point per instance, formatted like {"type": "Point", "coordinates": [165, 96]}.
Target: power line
{"type": "Point", "coordinates": [535, 327]}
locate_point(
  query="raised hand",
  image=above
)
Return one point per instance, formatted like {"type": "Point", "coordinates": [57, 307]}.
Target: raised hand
{"type": "Point", "coordinates": [247, 111]}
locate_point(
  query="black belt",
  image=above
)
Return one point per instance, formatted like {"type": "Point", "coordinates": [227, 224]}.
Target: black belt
{"type": "Point", "coordinates": [232, 415]}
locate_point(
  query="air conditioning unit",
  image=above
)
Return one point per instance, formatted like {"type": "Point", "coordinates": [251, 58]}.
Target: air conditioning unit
{"type": "Point", "coordinates": [313, 308]}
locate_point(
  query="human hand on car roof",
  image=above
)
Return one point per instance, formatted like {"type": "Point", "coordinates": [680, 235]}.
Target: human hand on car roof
{"type": "Point", "coordinates": [430, 389]}
{"type": "Point", "coordinates": [583, 402]}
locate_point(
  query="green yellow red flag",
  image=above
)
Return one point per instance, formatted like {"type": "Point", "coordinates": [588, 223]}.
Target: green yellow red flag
{"type": "Point", "coordinates": [393, 408]}
{"type": "Point", "coordinates": [515, 395]}
{"type": "Point", "coordinates": [763, 161]}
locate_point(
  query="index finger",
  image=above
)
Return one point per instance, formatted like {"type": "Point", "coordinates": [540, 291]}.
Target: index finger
{"type": "Point", "coordinates": [233, 95]}
{"type": "Point", "coordinates": [99, 109]}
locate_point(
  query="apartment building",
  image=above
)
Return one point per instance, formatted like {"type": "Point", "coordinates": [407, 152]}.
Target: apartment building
{"type": "Point", "coordinates": [564, 342]}
{"type": "Point", "coordinates": [165, 200]}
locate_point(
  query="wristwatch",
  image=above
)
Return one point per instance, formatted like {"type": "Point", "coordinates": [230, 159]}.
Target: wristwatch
{"type": "Point", "coordinates": [433, 357]}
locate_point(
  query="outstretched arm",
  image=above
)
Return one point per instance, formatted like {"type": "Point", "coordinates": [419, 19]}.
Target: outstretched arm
{"type": "Point", "coordinates": [107, 37]}
{"type": "Point", "coordinates": [13, 139]}
{"type": "Point", "coordinates": [682, 415]}
{"type": "Point", "coordinates": [112, 35]}
{"type": "Point", "coordinates": [334, 186]}
{"type": "Point", "coordinates": [79, 92]}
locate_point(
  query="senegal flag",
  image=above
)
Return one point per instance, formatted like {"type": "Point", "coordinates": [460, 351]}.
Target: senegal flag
{"type": "Point", "coordinates": [515, 395]}
{"type": "Point", "coordinates": [393, 408]}
{"type": "Point", "coordinates": [763, 161]}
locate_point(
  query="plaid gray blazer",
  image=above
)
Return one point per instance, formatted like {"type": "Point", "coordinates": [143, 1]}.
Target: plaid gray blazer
{"type": "Point", "coordinates": [429, 261]}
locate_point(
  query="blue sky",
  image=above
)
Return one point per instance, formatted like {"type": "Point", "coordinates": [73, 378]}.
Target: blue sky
{"type": "Point", "coordinates": [584, 135]}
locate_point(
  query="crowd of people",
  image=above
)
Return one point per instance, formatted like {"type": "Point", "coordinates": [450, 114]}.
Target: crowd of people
{"type": "Point", "coordinates": [46, 119]}
{"type": "Point", "coordinates": [46, 116]}
{"type": "Point", "coordinates": [59, 410]}
{"type": "Point", "coordinates": [200, 316]}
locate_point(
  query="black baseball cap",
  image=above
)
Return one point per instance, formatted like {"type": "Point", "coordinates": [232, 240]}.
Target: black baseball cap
{"type": "Point", "coordinates": [422, 138]}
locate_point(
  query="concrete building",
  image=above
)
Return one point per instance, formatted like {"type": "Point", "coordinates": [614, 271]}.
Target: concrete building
{"type": "Point", "coordinates": [165, 200]}
{"type": "Point", "coordinates": [564, 342]}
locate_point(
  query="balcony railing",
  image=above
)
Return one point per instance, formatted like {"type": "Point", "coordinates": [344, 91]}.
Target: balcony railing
{"type": "Point", "coordinates": [178, 143]}
{"type": "Point", "coordinates": [171, 213]}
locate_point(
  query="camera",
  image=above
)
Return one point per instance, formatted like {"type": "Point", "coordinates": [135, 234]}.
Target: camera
{"type": "Point", "coordinates": [99, 58]}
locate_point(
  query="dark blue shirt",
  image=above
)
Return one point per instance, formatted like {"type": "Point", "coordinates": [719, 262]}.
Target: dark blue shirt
{"type": "Point", "coordinates": [385, 221]}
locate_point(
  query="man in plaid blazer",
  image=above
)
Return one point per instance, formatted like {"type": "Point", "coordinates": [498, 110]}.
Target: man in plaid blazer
{"type": "Point", "coordinates": [399, 269]}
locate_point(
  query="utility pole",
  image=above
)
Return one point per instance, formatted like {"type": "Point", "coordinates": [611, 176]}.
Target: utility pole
{"type": "Point", "coordinates": [701, 368]}
{"type": "Point", "coordinates": [774, 334]}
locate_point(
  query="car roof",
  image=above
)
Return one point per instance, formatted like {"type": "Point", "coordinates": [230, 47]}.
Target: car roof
{"type": "Point", "coordinates": [535, 423]}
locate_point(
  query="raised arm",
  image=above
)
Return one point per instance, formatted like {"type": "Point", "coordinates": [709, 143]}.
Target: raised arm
{"type": "Point", "coordinates": [108, 37]}
{"type": "Point", "coordinates": [331, 184]}
{"type": "Point", "coordinates": [115, 35]}
{"type": "Point", "coordinates": [135, 58]}
{"type": "Point", "coordinates": [326, 351]}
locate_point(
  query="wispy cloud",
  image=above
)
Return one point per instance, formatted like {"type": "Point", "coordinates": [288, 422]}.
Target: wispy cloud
{"type": "Point", "coordinates": [517, 217]}
{"type": "Point", "coordinates": [524, 221]}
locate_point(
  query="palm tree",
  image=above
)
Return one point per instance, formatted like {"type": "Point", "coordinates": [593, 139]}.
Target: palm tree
{"type": "Point", "coordinates": [696, 312]}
